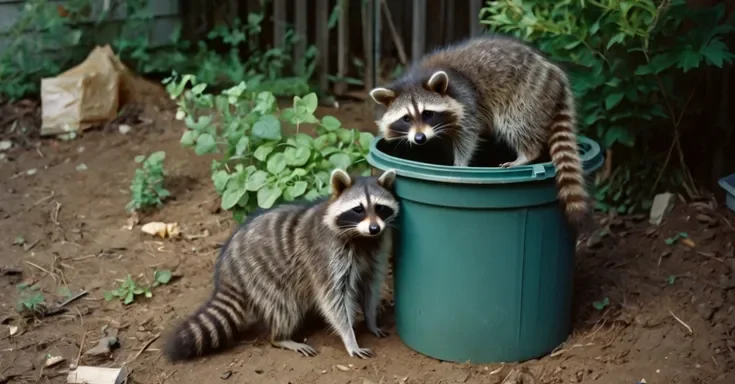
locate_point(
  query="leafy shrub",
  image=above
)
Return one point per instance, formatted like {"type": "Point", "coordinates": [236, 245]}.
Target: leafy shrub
{"type": "Point", "coordinates": [261, 166]}
{"type": "Point", "coordinates": [624, 59]}
{"type": "Point", "coordinates": [147, 185]}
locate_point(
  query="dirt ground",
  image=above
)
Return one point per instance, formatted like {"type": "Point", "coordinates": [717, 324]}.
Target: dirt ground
{"type": "Point", "coordinates": [670, 317]}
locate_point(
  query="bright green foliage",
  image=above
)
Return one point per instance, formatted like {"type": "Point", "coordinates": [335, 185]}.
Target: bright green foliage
{"type": "Point", "coordinates": [129, 288]}
{"type": "Point", "coordinates": [260, 164]}
{"type": "Point", "coordinates": [30, 299]}
{"type": "Point", "coordinates": [623, 58]}
{"type": "Point", "coordinates": [147, 185]}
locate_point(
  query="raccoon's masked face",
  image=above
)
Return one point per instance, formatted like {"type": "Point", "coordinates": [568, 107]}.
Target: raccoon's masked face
{"type": "Point", "coordinates": [363, 206]}
{"type": "Point", "coordinates": [418, 113]}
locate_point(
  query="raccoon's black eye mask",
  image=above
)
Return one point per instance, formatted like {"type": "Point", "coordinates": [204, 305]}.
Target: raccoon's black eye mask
{"type": "Point", "coordinates": [383, 211]}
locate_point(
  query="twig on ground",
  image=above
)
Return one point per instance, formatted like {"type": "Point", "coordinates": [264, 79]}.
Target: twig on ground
{"type": "Point", "coordinates": [41, 268]}
{"type": "Point", "coordinates": [72, 299]}
{"type": "Point", "coordinates": [84, 336]}
{"type": "Point", "coordinates": [55, 214]}
{"type": "Point", "coordinates": [145, 346]}
{"type": "Point", "coordinates": [564, 350]}
{"type": "Point", "coordinates": [691, 331]}
{"type": "Point", "coordinates": [47, 198]}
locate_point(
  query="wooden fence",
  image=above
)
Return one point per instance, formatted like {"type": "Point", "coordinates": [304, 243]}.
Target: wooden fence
{"type": "Point", "coordinates": [371, 36]}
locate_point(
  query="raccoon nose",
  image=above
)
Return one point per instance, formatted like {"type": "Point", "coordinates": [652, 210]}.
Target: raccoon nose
{"type": "Point", "coordinates": [374, 229]}
{"type": "Point", "coordinates": [420, 138]}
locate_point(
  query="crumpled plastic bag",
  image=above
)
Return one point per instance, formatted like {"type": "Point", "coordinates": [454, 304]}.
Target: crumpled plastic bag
{"type": "Point", "coordinates": [82, 97]}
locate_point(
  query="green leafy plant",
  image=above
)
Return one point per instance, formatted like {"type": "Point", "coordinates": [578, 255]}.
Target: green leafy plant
{"type": "Point", "coordinates": [260, 164]}
{"type": "Point", "coordinates": [602, 304]}
{"type": "Point", "coordinates": [624, 59]}
{"type": "Point", "coordinates": [129, 289]}
{"type": "Point", "coordinates": [30, 299]}
{"type": "Point", "coordinates": [672, 240]}
{"type": "Point", "coordinates": [147, 185]}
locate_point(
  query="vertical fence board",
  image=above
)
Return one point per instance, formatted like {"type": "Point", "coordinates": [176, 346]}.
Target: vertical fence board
{"type": "Point", "coordinates": [300, 26]}
{"type": "Point", "coordinates": [343, 45]}
{"type": "Point", "coordinates": [367, 38]}
{"type": "Point", "coordinates": [475, 26]}
{"type": "Point", "coordinates": [322, 41]}
{"type": "Point", "coordinates": [419, 29]}
{"type": "Point", "coordinates": [279, 22]}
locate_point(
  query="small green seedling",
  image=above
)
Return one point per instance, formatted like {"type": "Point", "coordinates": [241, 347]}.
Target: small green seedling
{"type": "Point", "coordinates": [671, 279]}
{"type": "Point", "coordinates": [600, 305]}
{"type": "Point", "coordinates": [129, 289]}
{"type": "Point", "coordinates": [677, 237]}
{"type": "Point", "coordinates": [147, 185]}
{"type": "Point", "coordinates": [30, 299]}
{"type": "Point", "coordinates": [19, 240]}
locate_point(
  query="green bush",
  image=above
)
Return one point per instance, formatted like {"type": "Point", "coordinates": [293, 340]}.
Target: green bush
{"type": "Point", "coordinates": [259, 165]}
{"type": "Point", "coordinates": [624, 59]}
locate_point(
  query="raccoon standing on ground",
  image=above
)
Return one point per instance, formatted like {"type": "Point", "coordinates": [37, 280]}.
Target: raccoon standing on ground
{"type": "Point", "coordinates": [329, 255]}
{"type": "Point", "coordinates": [496, 86]}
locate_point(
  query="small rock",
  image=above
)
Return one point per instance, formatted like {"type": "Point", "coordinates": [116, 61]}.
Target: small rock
{"type": "Point", "coordinates": [705, 310]}
{"type": "Point", "coordinates": [259, 371]}
{"type": "Point", "coordinates": [341, 367]}
{"type": "Point", "coordinates": [124, 128]}
{"type": "Point", "coordinates": [103, 347]}
{"type": "Point", "coordinates": [225, 375]}
{"type": "Point", "coordinates": [663, 203]}
{"type": "Point", "coordinates": [13, 329]}
{"type": "Point", "coordinates": [5, 145]}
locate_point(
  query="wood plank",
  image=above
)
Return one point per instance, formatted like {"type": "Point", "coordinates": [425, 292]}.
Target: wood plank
{"type": "Point", "coordinates": [279, 22]}
{"type": "Point", "coordinates": [343, 46]}
{"type": "Point", "coordinates": [475, 26]}
{"type": "Point", "coordinates": [418, 44]}
{"type": "Point", "coordinates": [322, 41]}
{"type": "Point", "coordinates": [367, 42]}
{"type": "Point", "coordinates": [300, 25]}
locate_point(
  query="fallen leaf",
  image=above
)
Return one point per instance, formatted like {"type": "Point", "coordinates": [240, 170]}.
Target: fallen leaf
{"type": "Point", "coordinates": [124, 128]}
{"type": "Point", "coordinates": [688, 242]}
{"type": "Point", "coordinates": [162, 230]}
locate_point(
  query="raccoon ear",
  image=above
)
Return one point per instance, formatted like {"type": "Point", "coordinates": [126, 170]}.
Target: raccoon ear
{"type": "Point", "coordinates": [340, 181]}
{"type": "Point", "coordinates": [438, 82]}
{"type": "Point", "coordinates": [383, 96]}
{"type": "Point", "coordinates": [387, 178]}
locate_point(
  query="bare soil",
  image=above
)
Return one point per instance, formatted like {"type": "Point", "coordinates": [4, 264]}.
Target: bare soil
{"type": "Point", "coordinates": [670, 317]}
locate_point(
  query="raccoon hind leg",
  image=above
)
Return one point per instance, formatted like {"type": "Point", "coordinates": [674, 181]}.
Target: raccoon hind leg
{"type": "Point", "coordinates": [283, 327]}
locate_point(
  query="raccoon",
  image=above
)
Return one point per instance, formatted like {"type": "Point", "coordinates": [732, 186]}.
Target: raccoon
{"type": "Point", "coordinates": [492, 86]}
{"type": "Point", "coordinates": [327, 256]}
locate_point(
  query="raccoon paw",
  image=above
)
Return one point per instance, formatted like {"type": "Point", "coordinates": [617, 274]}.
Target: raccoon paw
{"type": "Point", "coordinates": [362, 353]}
{"type": "Point", "coordinates": [379, 333]}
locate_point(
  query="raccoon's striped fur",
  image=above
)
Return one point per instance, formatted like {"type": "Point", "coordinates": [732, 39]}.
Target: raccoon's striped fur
{"type": "Point", "coordinates": [329, 256]}
{"type": "Point", "coordinates": [494, 85]}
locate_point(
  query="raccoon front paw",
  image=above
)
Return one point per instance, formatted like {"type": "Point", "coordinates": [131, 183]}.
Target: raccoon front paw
{"type": "Point", "coordinates": [362, 353]}
{"type": "Point", "coordinates": [506, 165]}
{"type": "Point", "coordinates": [379, 333]}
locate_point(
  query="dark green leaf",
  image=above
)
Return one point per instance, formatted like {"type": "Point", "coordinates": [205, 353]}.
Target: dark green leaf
{"type": "Point", "coordinates": [613, 99]}
{"type": "Point", "coordinates": [689, 60]}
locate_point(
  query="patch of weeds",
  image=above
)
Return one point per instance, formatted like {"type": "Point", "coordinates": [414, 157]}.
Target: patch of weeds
{"type": "Point", "coordinates": [30, 298]}
{"type": "Point", "coordinates": [602, 304]}
{"type": "Point", "coordinates": [129, 288]}
{"type": "Point", "coordinates": [147, 185]}
{"type": "Point", "coordinates": [672, 240]}
{"type": "Point", "coordinates": [260, 166]}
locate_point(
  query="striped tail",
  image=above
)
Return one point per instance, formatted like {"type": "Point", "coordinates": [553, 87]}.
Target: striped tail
{"type": "Point", "coordinates": [216, 325]}
{"type": "Point", "coordinates": [565, 156]}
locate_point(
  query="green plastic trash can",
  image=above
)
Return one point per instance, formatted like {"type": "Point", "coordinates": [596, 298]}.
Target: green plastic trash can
{"type": "Point", "coordinates": [483, 258]}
